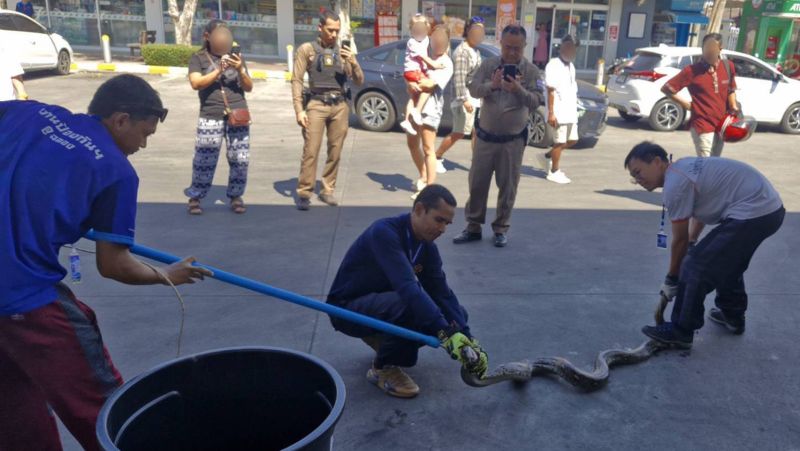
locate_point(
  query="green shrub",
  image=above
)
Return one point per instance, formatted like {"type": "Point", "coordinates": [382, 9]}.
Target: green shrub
{"type": "Point", "coordinates": [168, 54]}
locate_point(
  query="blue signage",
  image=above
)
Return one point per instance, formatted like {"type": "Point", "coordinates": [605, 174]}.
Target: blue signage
{"type": "Point", "coordinates": [688, 5]}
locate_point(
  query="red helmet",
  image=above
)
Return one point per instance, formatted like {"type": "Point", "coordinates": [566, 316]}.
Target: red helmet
{"type": "Point", "coordinates": [734, 129]}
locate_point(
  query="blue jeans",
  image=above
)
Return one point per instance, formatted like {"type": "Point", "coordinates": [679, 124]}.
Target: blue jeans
{"type": "Point", "coordinates": [389, 307]}
{"type": "Point", "coordinates": [718, 262]}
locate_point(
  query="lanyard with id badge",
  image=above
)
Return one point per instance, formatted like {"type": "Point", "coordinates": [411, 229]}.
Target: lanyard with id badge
{"type": "Point", "coordinates": [413, 258]}
{"type": "Point", "coordinates": [661, 240]}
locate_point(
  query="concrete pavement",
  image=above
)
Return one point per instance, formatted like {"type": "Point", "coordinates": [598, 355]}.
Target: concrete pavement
{"type": "Point", "coordinates": [580, 275]}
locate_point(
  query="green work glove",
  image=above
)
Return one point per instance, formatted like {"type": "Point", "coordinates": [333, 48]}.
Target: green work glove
{"type": "Point", "coordinates": [466, 351]}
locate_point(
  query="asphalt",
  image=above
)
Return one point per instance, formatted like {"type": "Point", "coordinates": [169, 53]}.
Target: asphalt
{"type": "Point", "coordinates": [580, 275]}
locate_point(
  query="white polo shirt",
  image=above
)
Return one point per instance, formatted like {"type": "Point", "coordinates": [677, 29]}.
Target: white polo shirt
{"type": "Point", "coordinates": [9, 68]}
{"type": "Point", "coordinates": [561, 78]}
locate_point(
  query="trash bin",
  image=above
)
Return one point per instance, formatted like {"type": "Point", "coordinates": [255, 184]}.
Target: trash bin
{"type": "Point", "coordinates": [250, 398]}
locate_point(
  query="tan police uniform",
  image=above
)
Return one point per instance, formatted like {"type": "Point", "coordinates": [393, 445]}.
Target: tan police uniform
{"type": "Point", "coordinates": [327, 74]}
{"type": "Point", "coordinates": [502, 136]}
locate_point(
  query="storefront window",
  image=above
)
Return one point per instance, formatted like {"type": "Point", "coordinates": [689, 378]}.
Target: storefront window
{"type": "Point", "coordinates": [254, 24]}
{"type": "Point", "coordinates": [122, 20]}
{"type": "Point", "coordinates": [75, 20]}
{"type": "Point", "coordinates": [306, 18]}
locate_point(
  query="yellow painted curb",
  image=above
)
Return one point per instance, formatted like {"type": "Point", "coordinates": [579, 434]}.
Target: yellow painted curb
{"type": "Point", "coordinates": [287, 76]}
{"type": "Point", "coordinates": [158, 70]}
{"type": "Point", "coordinates": [259, 75]}
{"type": "Point", "coordinates": [107, 67]}
{"type": "Point", "coordinates": [73, 66]}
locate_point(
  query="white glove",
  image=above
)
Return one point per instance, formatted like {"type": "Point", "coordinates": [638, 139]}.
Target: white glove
{"type": "Point", "coordinates": [670, 288]}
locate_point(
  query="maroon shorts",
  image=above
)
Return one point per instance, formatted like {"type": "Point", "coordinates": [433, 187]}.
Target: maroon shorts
{"type": "Point", "coordinates": [52, 359]}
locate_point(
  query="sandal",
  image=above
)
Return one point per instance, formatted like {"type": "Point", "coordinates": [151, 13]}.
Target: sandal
{"type": "Point", "coordinates": [194, 207]}
{"type": "Point", "coordinates": [237, 205]}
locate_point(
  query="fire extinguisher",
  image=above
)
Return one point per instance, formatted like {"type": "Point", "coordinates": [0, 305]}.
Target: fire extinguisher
{"type": "Point", "coordinates": [772, 48]}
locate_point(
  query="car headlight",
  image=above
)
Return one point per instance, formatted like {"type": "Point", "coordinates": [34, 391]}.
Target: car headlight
{"type": "Point", "coordinates": [588, 103]}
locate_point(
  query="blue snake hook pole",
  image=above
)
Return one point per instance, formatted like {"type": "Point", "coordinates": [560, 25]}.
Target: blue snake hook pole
{"type": "Point", "coordinates": [259, 287]}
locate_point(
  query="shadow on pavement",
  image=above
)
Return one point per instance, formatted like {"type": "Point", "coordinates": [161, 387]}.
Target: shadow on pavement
{"type": "Point", "coordinates": [392, 182]}
{"type": "Point", "coordinates": [640, 195]}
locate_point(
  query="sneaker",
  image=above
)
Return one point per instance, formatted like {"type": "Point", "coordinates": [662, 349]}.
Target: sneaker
{"type": "Point", "coordinates": [393, 381]}
{"type": "Point", "coordinates": [416, 117]}
{"type": "Point", "coordinates": [558, 177]}
{"type": "Point", "coordinates": [440, 169]}
{"type": "Point", "coordinates": [734, 325]}
{"type": "Point", "coordinates": [329, 200]}
{"type": "Point", "coordinates": [414, 196]}
{"type": "Point", "coordinates": [500, 240]}
{"type": "Point", "coordinates": [466, 237]}
{"type": "Point", "coordinates": [408, 128]}
{"type": "Point", "coordinates": [667, 333]}
{"type": "Point", "coordinates": [303, 204]}
{"type": "Point", "coordinates": [544, 163]}
{"type": "Point", "coordinates": [420, 184]}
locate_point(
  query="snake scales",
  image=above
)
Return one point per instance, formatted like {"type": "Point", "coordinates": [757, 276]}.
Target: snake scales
{"type": "Point", "coordinates": [587, 380]}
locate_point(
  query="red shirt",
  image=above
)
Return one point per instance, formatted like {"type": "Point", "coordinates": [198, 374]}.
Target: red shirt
{"type": "Point", "coordinates": [709, 105]}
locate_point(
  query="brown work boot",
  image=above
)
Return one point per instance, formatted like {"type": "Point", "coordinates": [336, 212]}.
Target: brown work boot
{"type": "Point", "coordinates": [394, 381]}
{"type": "Point", "coordinates": [373, 341]}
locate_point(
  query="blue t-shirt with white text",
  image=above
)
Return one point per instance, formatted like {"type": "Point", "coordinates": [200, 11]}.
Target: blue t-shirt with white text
{"type": "Point", "coordinates": [61, 174]}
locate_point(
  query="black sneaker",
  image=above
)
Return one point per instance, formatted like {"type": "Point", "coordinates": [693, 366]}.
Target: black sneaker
{"type": "Point", "coordinates": [734, 325]}
{"type": "Point", "coordinates": [466, 237]}
{"type": "Point", "coordinates": [500, 240]}
{"type": "Point", "coordinates": [667, 333]}
{"type": "Point", "coordinates": [303, 204]}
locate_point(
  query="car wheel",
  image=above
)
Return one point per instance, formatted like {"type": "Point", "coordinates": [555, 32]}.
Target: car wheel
{"type": "Point", "coordinates": [375, 112]}
{"type": "Point", "coordinates": [666, 116]}
{"type": "Point", "coordinates": [628, 117]}
{"type": "Point", "coordinates": [791, 120]}
{"type": "Point", "coordinates": [64, 63]}
{"type": "Point", "coordinates": [539, 133]}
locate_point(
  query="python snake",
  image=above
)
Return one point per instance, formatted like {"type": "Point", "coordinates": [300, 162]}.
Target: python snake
{"type": "Point", "coordinates": [523, 371]}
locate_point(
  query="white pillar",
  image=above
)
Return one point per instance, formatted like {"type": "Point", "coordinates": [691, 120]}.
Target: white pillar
{"type": "Point", "coordinates": [407, 9]}
{"type": "Point", "coordinates": [614, 18]}
{"type": "Point", "coordinates": [285, 12]}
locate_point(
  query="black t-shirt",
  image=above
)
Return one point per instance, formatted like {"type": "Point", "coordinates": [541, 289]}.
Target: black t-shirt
{"type": "Point", "coordinates": [211, 104]}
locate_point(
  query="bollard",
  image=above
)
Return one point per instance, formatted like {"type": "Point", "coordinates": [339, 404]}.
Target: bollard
{"type": "Point", "coordinates": [106, 48]}
{"type": "Point", "coordinates": [601, 69]}
{"type": "Point", "coordinates": [290, 57]}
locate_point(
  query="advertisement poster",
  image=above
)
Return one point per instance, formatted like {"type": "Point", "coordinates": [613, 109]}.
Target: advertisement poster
{"type": "Point", "coordinates": [506, 15]}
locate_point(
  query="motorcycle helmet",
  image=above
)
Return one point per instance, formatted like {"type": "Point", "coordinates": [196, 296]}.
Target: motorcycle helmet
{"type": "Point", "coordinates": [733, 128]}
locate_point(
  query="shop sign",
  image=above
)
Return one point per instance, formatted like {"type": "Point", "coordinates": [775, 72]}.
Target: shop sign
{"type": "Point", "coordinates": [613, 32]}
{"type": "Point", "coordinates": [687, 5]}
{"type": "Point", "coordinates": [792, 7]}
{"type": "Point", "coordinates": [506, 14]}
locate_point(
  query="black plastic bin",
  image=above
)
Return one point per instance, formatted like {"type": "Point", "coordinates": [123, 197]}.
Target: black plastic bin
{"type": "Point", "coordinates": [230, 399]}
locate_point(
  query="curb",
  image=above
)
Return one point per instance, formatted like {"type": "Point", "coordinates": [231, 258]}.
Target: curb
{"type": "Point", "coordinates": [133, 68]}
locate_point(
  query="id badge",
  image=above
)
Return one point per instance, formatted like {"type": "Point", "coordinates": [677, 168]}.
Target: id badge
{"type": "Point", "coordinates": [662, 240]}
{"type": "Point", "coordinates": [327, 60]}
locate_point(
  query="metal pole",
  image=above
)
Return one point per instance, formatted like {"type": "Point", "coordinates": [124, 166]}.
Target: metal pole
{"type": "Point", "coordinates": [99, 28]}
{"type": "Point", "coordinates": [294, 298]}
{"type": "Point", "coordinates": [47, 8]}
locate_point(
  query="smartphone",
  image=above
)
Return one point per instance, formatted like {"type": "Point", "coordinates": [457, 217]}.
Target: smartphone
{"type": "Point", "coordinates": [236, 50]}
{"type": "Point", "coordinates": [346, 43]}
{"type": "Point", "coordinates": [509, 71]}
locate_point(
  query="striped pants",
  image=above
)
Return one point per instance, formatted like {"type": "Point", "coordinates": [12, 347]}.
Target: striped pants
{"type": "Point", "coordinates": [210, 134]}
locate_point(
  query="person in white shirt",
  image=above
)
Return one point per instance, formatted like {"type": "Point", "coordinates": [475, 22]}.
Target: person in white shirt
{"type": "Point", "coordinates": [720, 191]}
{"type": "Point", "coordinates": [562, 108]}
{"type": "Point", "coordinates": [11, 86]}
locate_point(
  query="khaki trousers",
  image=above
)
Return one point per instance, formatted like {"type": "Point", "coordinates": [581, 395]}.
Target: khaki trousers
{"type": "Point", "coordinates": [320, 116]}
{"type": "Point", "coordinates": [505, 162]}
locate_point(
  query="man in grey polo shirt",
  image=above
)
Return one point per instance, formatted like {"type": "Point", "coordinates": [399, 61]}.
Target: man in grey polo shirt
{"type": "Point", "coordinates": [720, 191]}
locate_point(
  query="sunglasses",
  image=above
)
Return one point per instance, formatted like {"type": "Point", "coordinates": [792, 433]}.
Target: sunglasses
{"type": "Point", "coordinates": [477, 19]}
{"type": "Point", "coordinates": [161, 114]}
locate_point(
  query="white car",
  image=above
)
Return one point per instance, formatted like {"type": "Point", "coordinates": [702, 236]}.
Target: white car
{"type": "Point", "coordinates": [35, 46]}
{"type": "Point", "coordinates": [764, 93]}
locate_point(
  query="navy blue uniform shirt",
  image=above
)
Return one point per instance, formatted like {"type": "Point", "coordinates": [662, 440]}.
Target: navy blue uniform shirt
{"type": "Point", "coordinates": [60, 175]}
{"type": "Point", "coordinates": [387, 257]}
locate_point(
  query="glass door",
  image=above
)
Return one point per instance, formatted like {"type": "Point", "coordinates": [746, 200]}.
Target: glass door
{"type": "Point", "coordinates": [585, 23]}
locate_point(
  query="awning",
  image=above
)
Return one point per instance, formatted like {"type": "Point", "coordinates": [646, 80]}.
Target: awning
{"type": "Point", "coordinates": [690, 18]}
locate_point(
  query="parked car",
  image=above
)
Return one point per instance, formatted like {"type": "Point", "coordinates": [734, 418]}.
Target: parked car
{"type": "Point", "coordinates": [380, 102]}
{"type": "Point", "coordinates": [764, 93]}
{"type": "Point", "coordinates": [36, 47]}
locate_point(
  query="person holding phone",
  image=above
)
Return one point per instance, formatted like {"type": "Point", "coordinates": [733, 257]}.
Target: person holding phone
{"type": "Point", "coordinates": [219, 75]}
{"type": "Point", "coordinates": [323, 106]}
{"type": "Point", "coordinates": [562, 108]}
{"type": "Point", "coordinates": [507, 87]}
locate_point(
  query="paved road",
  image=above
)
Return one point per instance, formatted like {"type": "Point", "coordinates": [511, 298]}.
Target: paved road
{"type": "Point", "coordinates": [580, 275]}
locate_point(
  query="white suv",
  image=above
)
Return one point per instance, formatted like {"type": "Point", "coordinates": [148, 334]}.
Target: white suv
{"type": "Point", "coordinates": [635, 89]}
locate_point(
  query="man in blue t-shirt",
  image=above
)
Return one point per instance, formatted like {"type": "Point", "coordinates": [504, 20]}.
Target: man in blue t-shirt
{"type": "Point", "coordinates": [62, 174]}
{"type": "Point", "coordinates": [393, 272]}
{"type": "Point", "coordinates": [25, 7]}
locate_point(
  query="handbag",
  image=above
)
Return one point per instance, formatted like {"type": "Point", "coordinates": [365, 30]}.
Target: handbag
{"type": "Point", "coordinates": [237, 117]}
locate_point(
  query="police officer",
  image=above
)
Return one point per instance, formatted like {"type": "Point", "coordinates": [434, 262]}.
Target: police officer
{"type": "Point", "coordinates": [324, 104]}
{"type": "Point", "coordinates": [506, 103]}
